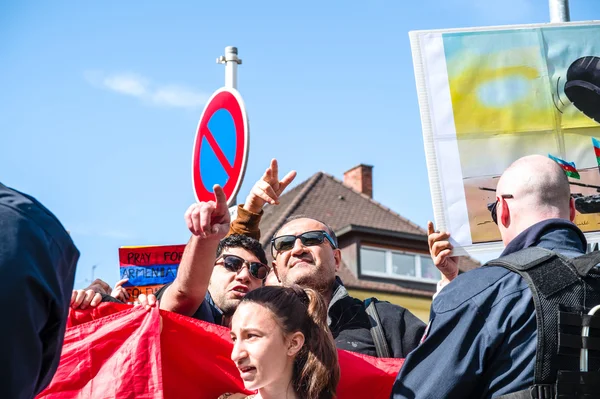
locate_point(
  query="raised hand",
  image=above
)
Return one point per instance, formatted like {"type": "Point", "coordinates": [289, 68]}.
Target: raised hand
{"type": "Point", "coordinates": [119, 292]}
{"type": "Point", "coordinates": [209, 220]}
{"type": "Point", "coordinates": [268, 188]}
{"type": "Point", "coordinates": [441, 251]}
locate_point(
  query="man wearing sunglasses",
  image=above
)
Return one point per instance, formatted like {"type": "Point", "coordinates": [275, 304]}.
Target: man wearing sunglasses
{"type": "Point", "coordinates": [482, 337]}
{"type": "Point", "coordinates": [206, 288]}
{"type": "Point", "coordinates": [305, 252]}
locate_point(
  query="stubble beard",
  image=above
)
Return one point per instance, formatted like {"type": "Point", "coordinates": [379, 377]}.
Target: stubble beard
{"type": "Point", "coordinates": [226, 305]}
{"type": "Point", "coordinates": [320, 284]}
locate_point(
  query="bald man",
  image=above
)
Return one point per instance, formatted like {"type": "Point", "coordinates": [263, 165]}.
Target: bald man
{"type": "Point", "coordinates": [482, 337]}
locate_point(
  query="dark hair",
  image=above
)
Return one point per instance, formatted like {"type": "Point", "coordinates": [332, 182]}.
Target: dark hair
{"type": "Point", "coordinates": [327, 227]}
{"type": "Point", "coordinates": [316, 369]}
{"type": "Point", "coordinates": [245, 242]}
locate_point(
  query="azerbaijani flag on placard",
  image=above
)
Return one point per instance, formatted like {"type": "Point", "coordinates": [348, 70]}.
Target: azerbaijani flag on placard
{"type": "Point", "coordinates": [596, 144]}
{"type": "Point", "coordinates": [568, 167]}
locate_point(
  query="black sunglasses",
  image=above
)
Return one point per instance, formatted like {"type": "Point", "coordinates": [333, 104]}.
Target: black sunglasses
{"type": "Point", "coordinates": [494, 205]}
{"type": "Point", "coordinates": [234, 263]}
{"type": "Point", "coordinates": [308, 239]}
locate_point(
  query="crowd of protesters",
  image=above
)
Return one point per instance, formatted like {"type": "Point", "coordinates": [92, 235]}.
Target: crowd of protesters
{"type": "Point", "coordinates": [288, 318]}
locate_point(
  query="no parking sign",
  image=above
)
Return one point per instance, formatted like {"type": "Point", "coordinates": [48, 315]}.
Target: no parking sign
{"type": "Point", "coordinates": [221, 146]}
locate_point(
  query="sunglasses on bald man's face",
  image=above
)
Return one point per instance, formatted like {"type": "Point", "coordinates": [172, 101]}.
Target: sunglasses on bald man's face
{"type": "Point", "coordinates": [234, 263]}
{"type": "Point", "coordinates": [308, 239]}
{"type": "Point", "coordinates": [494, 206]}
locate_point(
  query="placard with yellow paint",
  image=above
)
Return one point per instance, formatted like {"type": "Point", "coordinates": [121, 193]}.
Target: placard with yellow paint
{"type": "Point", "coordinates": [489, 96]}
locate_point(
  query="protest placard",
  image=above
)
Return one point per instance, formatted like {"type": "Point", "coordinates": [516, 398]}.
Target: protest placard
{"type": "Point", "coordinates": [148, 268]}
{"type": "Point", "coordinates": [489, 96]}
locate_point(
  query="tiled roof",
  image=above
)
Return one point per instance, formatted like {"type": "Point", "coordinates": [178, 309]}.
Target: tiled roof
{"type": "Point", "coordinates": [326, 198]}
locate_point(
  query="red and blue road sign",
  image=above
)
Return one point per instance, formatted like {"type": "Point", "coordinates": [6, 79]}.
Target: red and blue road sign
{"type": "Point", "coordinates": [221, 146]}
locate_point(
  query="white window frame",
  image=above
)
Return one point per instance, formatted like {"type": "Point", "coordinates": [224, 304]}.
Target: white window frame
{"type": "Point", "coordinates": [388, 265]}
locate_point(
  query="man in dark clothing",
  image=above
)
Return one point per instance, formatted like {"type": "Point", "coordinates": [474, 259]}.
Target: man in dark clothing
{"type": "Point", "coordinates": [227, 286]}
{"type": "Point", "coordinates": [482, 336]}
{"type": "Point", "coordinates": [305, 252]}
{"type": "Point", "coordinates": [37, 270]}
{"type": "Point", "coordinates": [213, 276]}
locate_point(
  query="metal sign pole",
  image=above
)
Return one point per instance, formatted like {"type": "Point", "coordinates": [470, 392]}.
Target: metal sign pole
{"type": "Point", "coordinates": [231, 61]}
{"type": "Point", "coordinates": [559, 11]}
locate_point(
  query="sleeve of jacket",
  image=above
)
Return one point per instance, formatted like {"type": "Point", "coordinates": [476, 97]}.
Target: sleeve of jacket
{"type": "Point", "coordinates": [449, 361]}
{"type": "Point", "coordinates": [403, 330]}
{"type": "Point", "coordinates": [37, 268]}
{"type": "Point", "coordinates": [246, 223]}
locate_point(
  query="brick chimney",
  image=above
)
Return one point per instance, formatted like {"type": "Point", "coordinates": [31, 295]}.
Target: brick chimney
{"type": "Point", "coordinates": [360, 178]}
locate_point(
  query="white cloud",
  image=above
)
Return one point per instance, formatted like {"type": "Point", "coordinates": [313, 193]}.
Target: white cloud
{"type": "Point", "coordinates": [149, 92]}
{"type": "Point", "coordinates": [126, 84]}
{"type": "Point", "coordinates": [177, 96]}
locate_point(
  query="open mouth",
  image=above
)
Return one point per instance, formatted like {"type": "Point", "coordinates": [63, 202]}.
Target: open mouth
{"type": "Point", "coordinates": [242, 289]}
{"type": "Point", "coordinates": [246, 370]}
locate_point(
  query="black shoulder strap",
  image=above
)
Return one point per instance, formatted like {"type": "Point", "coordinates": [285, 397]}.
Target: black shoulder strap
{"type": "Point", "coordinates": [381, 345]}
{"type": "Point", "coordinates": [546, 274]}
{"type": "Point", "coordinates": [558, 286]}
{"type": "Point", "coordinates": [584, 263]}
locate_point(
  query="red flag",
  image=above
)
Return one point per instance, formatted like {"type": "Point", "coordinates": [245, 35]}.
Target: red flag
{"type": "Point", "coordinates": [118, 351]}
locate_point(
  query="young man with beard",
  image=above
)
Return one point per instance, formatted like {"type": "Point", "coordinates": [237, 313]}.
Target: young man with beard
{"type": "Point", "coordinates": [209, 288]}
{"type": "Point", "coordinates": [214, 275]}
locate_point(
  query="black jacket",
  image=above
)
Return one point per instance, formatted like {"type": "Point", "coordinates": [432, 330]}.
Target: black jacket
{"type": "Point", "coordinates": [37, 269]}
{"type": "Point", "coordinates": [350, 325]}
{"type": "Point", "coordinates": [482, 337]}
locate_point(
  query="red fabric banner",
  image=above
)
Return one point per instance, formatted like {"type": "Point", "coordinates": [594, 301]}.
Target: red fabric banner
{"type": "Point", "coordinates": [116, 351]}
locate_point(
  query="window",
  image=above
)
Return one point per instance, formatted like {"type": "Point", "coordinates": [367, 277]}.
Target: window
{"type": "Point", "coordinates": [396, 264]}
{"type": "Point", "coordinates": [373, 260]}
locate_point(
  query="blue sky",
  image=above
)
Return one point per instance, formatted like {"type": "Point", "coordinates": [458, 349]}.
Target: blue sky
{"type": "Point", "coordinates": [100, 102]}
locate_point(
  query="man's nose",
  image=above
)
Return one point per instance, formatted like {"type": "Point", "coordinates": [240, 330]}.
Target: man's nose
{"type": "Point", "coordinates": [244, 274]}
{"type": "Point", "coordinates": [298, 247]}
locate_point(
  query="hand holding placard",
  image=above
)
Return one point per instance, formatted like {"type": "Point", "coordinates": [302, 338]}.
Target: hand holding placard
{"type": "Point", "coordinates": [441, 251]}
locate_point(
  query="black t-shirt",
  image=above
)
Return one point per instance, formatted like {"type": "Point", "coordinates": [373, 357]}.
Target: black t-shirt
{"type": "Point", "coordinates": [207, 311]}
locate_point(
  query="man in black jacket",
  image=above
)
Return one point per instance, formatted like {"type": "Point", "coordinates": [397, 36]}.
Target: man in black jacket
{"type": "Point", "coordinates": [305, 252]}
{"type": "Point", "coordinates": [37, 269]}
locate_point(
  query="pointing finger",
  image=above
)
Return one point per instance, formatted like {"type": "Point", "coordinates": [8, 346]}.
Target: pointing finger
{"type": "Point", "coordinates": [220, 198]}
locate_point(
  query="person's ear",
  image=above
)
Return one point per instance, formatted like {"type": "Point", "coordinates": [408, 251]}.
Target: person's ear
{"type": "Point", "coordinates": [274, 266]}
{"type": "Point", "coordinates": [505, 217]}
{"type": "Point", "coordinates": [571, 209]}
{"type": "Point", "coordinates": [337, 256]}
{"type": "Point", "coordinates": [295, 343]}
